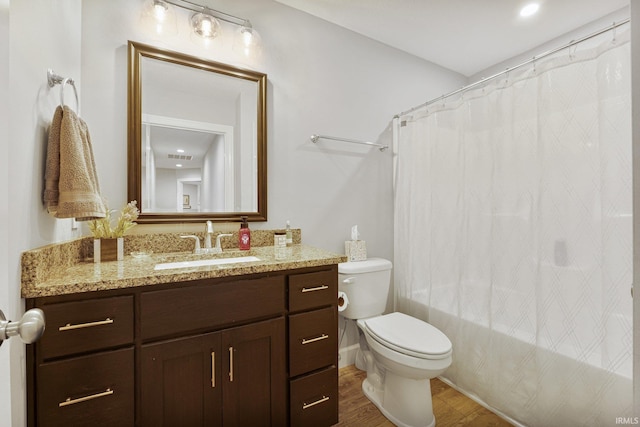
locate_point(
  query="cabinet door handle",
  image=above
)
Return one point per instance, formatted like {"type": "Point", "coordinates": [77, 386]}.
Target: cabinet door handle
{"type": "Point", "coordinates": [310, 340]}
{"type": "Point", "coordinates": [213, 369]}
{"type": "Point", "coordinates": [230, 364]}
{"type": "Point", "coordinates": [71, 401]}
{"type": "Point", "coordinates": [70, 327]}
{"type": "Point", "coordinates": [317, 402]}
{"type": "Point", "coordinates": [317, 288]}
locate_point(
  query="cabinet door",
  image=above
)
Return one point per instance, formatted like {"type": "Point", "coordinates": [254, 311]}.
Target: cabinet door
{"type": "Point", "coordinates": [181, 382]}
{"type": "Point", "coordinates": [255, 387]}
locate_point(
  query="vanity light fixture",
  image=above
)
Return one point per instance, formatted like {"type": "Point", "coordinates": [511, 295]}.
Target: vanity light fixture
{"type": "Point", "coordinates": [204, 22]}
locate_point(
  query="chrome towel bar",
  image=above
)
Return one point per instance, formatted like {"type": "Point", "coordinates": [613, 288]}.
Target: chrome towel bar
{"type": "Point", "coordinates": [315, 138]}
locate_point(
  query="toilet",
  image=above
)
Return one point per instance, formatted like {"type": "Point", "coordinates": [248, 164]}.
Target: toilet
{"type": "Point", "coordinates": [400, 353]}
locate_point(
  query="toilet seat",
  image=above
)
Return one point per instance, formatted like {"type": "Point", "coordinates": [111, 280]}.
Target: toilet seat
{"type": "Point", "coordinates": [408, 335]}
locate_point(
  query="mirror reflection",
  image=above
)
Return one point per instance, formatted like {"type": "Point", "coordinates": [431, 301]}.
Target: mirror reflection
{"type": "Point", "coordinates": [197, 140]}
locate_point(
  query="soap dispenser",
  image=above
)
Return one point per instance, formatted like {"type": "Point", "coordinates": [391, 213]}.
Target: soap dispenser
{"type": "Point", "coordinates": [244, 235]}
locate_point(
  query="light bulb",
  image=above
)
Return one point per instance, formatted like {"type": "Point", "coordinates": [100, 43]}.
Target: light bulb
{"type": "Point", "coordinates": [159, 11]}
{"type": "Point", "coordinates": [205, 25]}
{"type": "Point", "coordinates": [159, 17]}
{"type": "Point", "coordinates": [246, 38]}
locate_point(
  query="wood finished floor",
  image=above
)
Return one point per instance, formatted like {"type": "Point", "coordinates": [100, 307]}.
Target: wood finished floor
{"type": "Point", "coordinates": [450, 407]}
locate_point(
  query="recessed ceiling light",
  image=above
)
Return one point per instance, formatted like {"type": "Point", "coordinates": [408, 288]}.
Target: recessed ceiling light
{"type": "Point", "coordinates": [178, 165]}
{"type": "Point", "coordinates": [529, 9]}
{"type": "Point", "coordinates": [180, 150]}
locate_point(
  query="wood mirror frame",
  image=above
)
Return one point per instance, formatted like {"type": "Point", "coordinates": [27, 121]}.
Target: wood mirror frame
{"type": "Point", "coordinates": [137, 52]}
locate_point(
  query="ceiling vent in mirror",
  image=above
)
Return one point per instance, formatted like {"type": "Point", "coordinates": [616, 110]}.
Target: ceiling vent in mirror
{"type": "Point", "coordinates": [179, 156]}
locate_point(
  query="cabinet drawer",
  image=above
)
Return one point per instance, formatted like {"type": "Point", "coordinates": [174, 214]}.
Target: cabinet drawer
{"type": "Point", "coordinates": [94, 390]}
{"type": "Point", "coordinates": [311, 290]}
{"type": "Point", "coordinates": [195, 308]}
{"type": "Point", "coordinates": [313, 340]}
{"type": "Point", "coordinates": [314, 399]}
{"type": "Point", "coordinates": [81, 326]}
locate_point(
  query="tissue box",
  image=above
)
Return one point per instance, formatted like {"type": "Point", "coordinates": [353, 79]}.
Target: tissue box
{"type": "Point", "coordinates": [356, 250]}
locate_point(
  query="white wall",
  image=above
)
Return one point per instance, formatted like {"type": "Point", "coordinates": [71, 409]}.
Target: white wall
{"type": "Point", "coordinates": [43, 34]}
{"type": "Point", "coordinates": [321, 79]}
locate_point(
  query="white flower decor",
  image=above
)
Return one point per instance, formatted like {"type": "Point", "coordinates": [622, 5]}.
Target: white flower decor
{"type": "Point", "coordinates": [101, 228]}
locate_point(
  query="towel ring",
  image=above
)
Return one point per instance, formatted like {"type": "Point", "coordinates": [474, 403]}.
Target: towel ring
{"type": "Point", "coordinates": [75, 91]}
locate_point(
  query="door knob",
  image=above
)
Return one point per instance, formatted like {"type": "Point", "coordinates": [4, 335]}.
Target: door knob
{"type": "Point", "coordinates": [29, 328]}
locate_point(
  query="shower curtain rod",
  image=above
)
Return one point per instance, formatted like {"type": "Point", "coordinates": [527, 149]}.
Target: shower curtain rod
{"type": "Point", "coordinates": [535, 58]}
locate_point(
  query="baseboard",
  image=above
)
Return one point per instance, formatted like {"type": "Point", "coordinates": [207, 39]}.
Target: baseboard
{"type": "Point", "coordinates": [347, 355]}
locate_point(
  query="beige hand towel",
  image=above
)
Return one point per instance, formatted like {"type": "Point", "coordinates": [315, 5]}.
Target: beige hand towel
{"type": "Point", "coordinates": [70, 162]}
{"type": "Point", "coordinates": [52, 168]}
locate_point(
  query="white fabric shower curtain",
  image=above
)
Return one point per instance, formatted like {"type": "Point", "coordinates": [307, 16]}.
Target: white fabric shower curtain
{"type": "Point", "coordinates": [513, 235]}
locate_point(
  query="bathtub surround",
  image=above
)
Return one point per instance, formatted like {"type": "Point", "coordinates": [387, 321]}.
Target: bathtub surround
{"type": "Point", "coordinates": [513, 235]}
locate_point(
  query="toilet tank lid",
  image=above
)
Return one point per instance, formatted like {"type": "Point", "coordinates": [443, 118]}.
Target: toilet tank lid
{"type": "Point", "coordinates": [369, 265]}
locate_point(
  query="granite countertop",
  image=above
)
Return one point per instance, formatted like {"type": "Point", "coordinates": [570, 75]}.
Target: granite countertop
{"type": "Point", "coordinates": [86, 276]}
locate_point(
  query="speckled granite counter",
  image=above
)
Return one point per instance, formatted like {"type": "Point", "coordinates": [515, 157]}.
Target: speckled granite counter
{"type": "Point", "coordinates": [64, 271]}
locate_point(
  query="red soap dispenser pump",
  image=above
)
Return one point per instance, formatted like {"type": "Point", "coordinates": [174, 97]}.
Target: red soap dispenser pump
{"type": "Point", "coordinates": [244, 236]}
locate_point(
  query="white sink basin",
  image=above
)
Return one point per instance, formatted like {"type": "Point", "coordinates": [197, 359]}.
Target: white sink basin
{"type": "Point", "coordinates": [205, 262]}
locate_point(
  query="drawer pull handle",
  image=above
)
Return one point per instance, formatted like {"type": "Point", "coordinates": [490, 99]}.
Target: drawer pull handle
{"type": "Point", "coordinates": [317, 402]}
{"type": "Point", "coordinates": [213, 369]}
{"type": "Point", "coordinates": [310, 340]}
{"type": "Point", "coordinates": [71, 401]}
{"type": "Point", "coordinates": [230, 364]}
{"type": "Point", "coordinates": [70, 327]}
{"type": "Point", "coordinates": [317, 288]}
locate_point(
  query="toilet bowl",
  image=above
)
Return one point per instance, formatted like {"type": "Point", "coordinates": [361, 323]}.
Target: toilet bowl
{"type": "Point", "coordinates": [400, 353]}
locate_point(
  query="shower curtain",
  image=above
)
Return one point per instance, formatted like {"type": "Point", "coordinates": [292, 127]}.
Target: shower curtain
{"type": "Point", "coordinates": [513, 235]}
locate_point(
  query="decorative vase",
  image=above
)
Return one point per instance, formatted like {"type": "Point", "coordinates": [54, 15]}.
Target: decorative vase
{"type": "Point", "coordinates": [108, 249]}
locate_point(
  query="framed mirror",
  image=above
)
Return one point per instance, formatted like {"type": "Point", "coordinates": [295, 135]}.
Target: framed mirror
{"type": "Point", "coordinates": [197, 140]}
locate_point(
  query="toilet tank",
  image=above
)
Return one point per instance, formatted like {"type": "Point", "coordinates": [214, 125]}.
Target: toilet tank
{"type": "Point", "coordinates": [366, 284]}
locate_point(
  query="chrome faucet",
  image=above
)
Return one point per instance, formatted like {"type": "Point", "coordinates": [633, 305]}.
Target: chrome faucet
{"type": "Point", "coordinates": [197, 249]}
{"type": "Point", "coordinates": [208, 249]}
{"type": "Point", "coordinates": [218, 248]}
{"type": "Point", "coordinates": [208, 231]}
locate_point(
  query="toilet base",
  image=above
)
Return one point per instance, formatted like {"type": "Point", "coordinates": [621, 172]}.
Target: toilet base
{"type": "Point", "coordinates": [405, 402]}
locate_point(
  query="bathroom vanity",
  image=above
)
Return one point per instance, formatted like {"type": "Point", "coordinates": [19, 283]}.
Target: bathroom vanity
{"type": "Point", "coordinates": [242, 344]}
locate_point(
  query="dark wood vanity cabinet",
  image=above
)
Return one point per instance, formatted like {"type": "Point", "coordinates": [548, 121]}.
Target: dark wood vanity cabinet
{"type": "Point", "coordinates": [250, 351]}
{"type": "Point", "coordinates": [230, 378]}
{"type": "Point", "coordinates": [313, 348]}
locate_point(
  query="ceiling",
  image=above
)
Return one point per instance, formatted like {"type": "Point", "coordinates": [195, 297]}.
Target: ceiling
{"type": "Point", "coordinates": [466, 36]}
